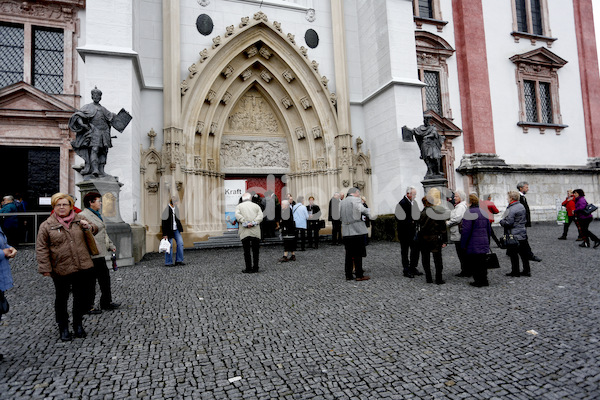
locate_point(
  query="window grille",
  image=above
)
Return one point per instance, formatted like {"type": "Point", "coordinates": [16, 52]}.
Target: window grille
{"type": "Point", "coordinates": [12, 39]}
{"type": "Point", "coordinates": [48, 60]}
{"type": "Point", "coordinates": [530, 101]}
{"type": "Point", "coordinates": [432, 91]}
{"type": "Point", "coordinates": [546, 103]}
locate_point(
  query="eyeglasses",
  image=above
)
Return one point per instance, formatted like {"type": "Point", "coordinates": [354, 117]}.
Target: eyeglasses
{"type": "Point", "coordinates": [62, 205]}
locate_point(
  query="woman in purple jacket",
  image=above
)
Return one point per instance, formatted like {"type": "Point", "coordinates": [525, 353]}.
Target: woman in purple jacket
{"type": "Point", "coordinates": [584, 219]}
{"type": "Point", "coordinates": [475, 240]}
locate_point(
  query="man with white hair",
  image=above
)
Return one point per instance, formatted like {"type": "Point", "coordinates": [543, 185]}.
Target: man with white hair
{"type": "Point", "coordinates": [407, 217]}
{"type": "Point", "coordinates": [249, 216]}
{"type": "Point", "coordinates": [456, 217]}
{"type": "Point", "coordinates": [354, 231]}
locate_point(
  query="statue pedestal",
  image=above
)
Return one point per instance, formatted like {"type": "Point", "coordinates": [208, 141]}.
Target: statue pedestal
{"type": "Point", "coordinates": [439, 183]}
{"type": "Point", "coordinates": [118, 230]}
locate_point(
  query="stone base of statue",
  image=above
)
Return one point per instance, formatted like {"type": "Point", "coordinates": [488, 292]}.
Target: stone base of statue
{"type": "Point", "coordinates": [118, 230]}
{"type": "Point", "coordinates": [440, 183]}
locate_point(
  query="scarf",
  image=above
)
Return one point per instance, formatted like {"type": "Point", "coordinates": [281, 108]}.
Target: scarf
{"type": "Point", "coordinates": [66, 221]}
{"type": "Point", "coordinates": [97, 214]}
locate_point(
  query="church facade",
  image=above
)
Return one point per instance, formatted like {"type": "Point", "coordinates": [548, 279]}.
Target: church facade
{"type": "Point", "coordinates": [306, 97]}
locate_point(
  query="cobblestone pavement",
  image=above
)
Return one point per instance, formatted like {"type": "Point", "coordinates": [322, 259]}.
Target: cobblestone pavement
{"type": "Point", "coordinates": [299, 330]}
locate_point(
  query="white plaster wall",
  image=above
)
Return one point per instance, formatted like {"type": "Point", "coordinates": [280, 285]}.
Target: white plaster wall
{"type": "Point", "coordinates": [109, 23]}
{"type": "Point", "coordinates": [512, 145]}
{"type": "Point", "coordinates": [149, 44]}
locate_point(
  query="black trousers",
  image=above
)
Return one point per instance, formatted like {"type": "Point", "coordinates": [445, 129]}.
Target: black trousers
{"type": "Point", "coordinates": [101, 274]}
{"type": "Point", "coordinates": [437, 261]}
{"type": "Point", "coordinates": [409, 246]}
{"type": "Point", "coordinates": [462, 255]}
{"type": "Point", "coordinates": [253, 243]}
{"type": "Point", "coordinates": [313, 235]}
{"type": "Point", "coordinates": [523, 251]}
{"type": "Point", "coordinates": [355, 251]}
{"type": "Point", "coordinates": [301, 236]}
{"type": "Point", "coordinates": [79, 283]}
{"type": "Point", "coordinates": [478, 267]}
{"type": "Point", "coordinates": [585, 230]}
{"type": "Point", "coordinates": [336, 232]}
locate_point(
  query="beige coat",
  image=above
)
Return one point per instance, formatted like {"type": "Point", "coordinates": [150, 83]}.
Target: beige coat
{"type": "Point", "coordinates": [245, 212]}
{"type": "Point", "coordinates": [103, 241]}
{"type": "Point", "coordinates": [61, 251]}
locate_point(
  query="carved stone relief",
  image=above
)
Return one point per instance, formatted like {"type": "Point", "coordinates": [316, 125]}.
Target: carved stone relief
{"type": "Point", "coordinates": [213, 128]}
{"type": "Point", "coordinates": [305, 102]}
{"type": "Point", "coordinates": [253, 114]}
{"type": "Point", "coordinates": [265, 52]}
{"type": "Point", "coordinates": [300, 134]}
{"type": "Point", "coordinates": [229, 30]}
{"type": "Point", "coordinates": [203, 55]}
{"type": "Point", "coordinates": [244, 22]}
{"type": "Point", "coordinates": [227, 71]}
{"type": "Point", "coordinates": [266, 76]}
{"type": "Point", "coordinates": [254, 154]}
{"type": "Point", "coordinates": [317, 132]}
{"type": "Point", "coordinates": [287, 74]}
{"type": "Point", "coordinates": [246, 74]}
{"type": "Point", "coordinates": [304, 165]}
{"type": "Point", "coordinates": [286, 101]}
{"type": "Point", "coordinates": [251, 51]}
{"type": "Point", "coordinates": [226, 98]}
{"type": "Point", "coordinates": [210, 97]}
{"type": "Point", "coordinates": [199, 127]}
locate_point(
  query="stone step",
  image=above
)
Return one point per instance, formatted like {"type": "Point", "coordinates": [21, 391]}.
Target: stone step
{"type": "Point", "coordinates": [231, 239]}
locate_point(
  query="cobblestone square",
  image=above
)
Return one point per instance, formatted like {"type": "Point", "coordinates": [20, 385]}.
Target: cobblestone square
{"type": "Point", "coordinates": [299, 330]}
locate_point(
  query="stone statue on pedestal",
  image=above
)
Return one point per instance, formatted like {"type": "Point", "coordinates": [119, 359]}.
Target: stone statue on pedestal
{"type": "Point", "coordinates": [92, 127]}
{"type": "Point", "coordinates": [430, 143]}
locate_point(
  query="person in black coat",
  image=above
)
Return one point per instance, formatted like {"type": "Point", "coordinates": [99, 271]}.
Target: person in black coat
{"type": "Point", "coordinates": [406, 212]}
{"type": "Point", "coordinates": [334, 217]}
{"type": "Point", "coordinates": [314, 219]}
{"type": "Point", "coordinates": [172, 229]}
{"type": "Point", "coordinates": [523, 188]}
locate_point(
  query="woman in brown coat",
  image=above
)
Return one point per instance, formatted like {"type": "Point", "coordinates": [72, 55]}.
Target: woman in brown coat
{"type": "Point", "coordinates": [62, 253]}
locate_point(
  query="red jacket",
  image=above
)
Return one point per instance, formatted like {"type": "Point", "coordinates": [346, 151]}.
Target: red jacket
{"type": "Point", "coordinates": [569, 204]}
{"type": "Point", "coordinates": [490, 207]}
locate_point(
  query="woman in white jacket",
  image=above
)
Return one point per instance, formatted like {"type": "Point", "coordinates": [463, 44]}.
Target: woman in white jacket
{"type": "Point", "coordinates": [454, 224]}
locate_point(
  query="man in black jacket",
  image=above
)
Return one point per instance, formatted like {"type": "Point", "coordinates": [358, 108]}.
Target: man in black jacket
{"type": "Point", "coordinates": [172, 229]}
{"type": "Point", "coordinates": [407, 215]}
{"type": "Point", "coordinates": [523, 188]}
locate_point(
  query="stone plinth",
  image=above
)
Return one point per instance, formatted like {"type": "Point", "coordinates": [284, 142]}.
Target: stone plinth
{"type": "Point", "coordinates": [118, 230]}
{"type": "Point", "coordinates": [439, 183]}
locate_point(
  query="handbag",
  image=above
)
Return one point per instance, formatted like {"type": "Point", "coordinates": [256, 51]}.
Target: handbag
{"type": "Point", "coordinates": [4, 307]}
{"type": "Point", "coordinates": [589, 208]}
{"type": "Point", "coordinates": [491, 260]}
{"type": "Point", "coordinates": [508, 241]}
{"type": "Point", "coordinates": [90, 242]}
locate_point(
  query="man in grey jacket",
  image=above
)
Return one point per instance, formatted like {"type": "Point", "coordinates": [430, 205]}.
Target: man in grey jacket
{"type": "Point", "coordinates": [353, 232]}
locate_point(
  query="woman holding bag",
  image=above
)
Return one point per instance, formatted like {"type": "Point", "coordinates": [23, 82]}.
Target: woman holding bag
{"type": "Point", "coordinates": [475, 241]}
{"type": "Point", "coordinates": [63, 254]}
{"type": "Point", "coordinates": [584, 219]}
{"type": "Point", "coordinates": [514, 223]}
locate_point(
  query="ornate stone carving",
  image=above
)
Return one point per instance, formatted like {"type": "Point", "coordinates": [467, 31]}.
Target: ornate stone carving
{"type": "Point", "coordinates": [204, 3]}
{"type": "Point", "coordinates": [211, 164]}
{"type": "Point", "coordinates": [277, 25]}
{"type": "Point", "coordinates": [261, 16]}
{"type": "Point", "coordinates": [324, 81]}
{"type": "Point", "coordinates": [227, 71]}
{"type": "Point", "coordinates": [317, 132]}
{"type": "Point", "coordinates": [184, 87]}
{"type": "Point", "coordinates": [216, 42]}
{"type": "Point", "coordinates": [152, 136]}
{"type": "Point", "coordinates": [226, 98]}
{"type": "Point", "coordinates": [244, 22]}
{"type": "Point", "coordinates": [251, 51]}
{"type": "Point", "coordinates": [213, 128]}
{"type": "Point", "coordinates": [291, 38]}
{"type": "Point", "coordinates": [266, 76]}
{"type": "Point", "coordinates": [265, 52]}
{"type": "Point", "coordinates": [287, 74]}
{"type": "Point", "coordinates": [305, 102]}
{"type": "Point", "coordinates": [321, 163]}
{"type": "Point", "coordinates": [253, 115]}
{"type": "Point", "coordinates": [197, 162]}
{"type": "Point", "coordinates": [203, 55]}
{"type": "Point", "coordinates": [199, 127]}
{"type": "Point", "coordinates": [210, 97]}
{"type": "Point", "coordinates": [311, 15]}
{"type": "Point", "coordinates": [254, 154]}
{"type": "Point", "coordinates": [333, 99]}
{"type": "Point", "coordinates": [300, 134]}
{"type": "Point", "coordinates": [152, 187]}
{"type": "Point", "coordinates": [246, 74]}
{"type": "Point", "coordinates": [304, 51]}
{"type": "Point", "coordinates": [346, 183]}
{"type": "Point", "coordinates": [315, 65]}
{"type": "Point", "coordinates": [193, 70]}
{"type": "Point", "coordinates": [360, 185]}
{"type": "Point", "coordinates": [42, 11]}
{"type": "Point", "coordinates": [229, 30]}
{"type": "Point", "coordinates": [304, 165]}
{"type": "Point", "coordinates": [178, 185]}
{"type": "Point", "coordinates": [286, 101]}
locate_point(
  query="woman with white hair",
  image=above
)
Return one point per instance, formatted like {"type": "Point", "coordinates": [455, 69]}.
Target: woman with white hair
{"type": "Point", "coordinates": [454, 223]}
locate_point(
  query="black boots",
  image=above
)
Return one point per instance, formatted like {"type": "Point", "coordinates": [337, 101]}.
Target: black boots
{"type": "Point", "coordinates": [65, 335]}
{"type": "Point", "coordinates": [79, 332]}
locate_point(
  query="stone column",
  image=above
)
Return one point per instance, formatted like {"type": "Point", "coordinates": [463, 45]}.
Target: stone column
{"type": "Point", "coordinates": [590, 80]}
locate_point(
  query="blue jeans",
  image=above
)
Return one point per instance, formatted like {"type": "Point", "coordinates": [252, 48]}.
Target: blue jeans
{"type": "Point", "coordinates": [179, 254]}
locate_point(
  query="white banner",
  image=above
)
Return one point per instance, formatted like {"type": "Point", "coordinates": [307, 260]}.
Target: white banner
{"type": "Point", "coordinates": [234, 189]}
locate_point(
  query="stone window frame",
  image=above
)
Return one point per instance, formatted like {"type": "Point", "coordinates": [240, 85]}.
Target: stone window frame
{"type": "Point", "coordinates": [437, 16]}
{"type": "Point", "coordinates": [546, 35]}
{"type": "Point", "coordinates": [433, 59]}
{"type": "Point", "coordinates": [540, 65]}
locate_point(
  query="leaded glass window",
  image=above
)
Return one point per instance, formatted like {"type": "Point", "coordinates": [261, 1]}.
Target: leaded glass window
{"type": "Point", "coordinates": [12, 39]}
{"type": "Point", "coordinates": [425, 9]}
{"type": "Point", "coordinates": [546, 102]}
{"type": "Point", "coordinates": [536, 17]}
{"type": "Point", "coordinates": [48, 61]}
{"type": "Point", "coordinates": [529, 16]}
{"type": "Point", "coordinates": [530, 101]}
{"type": "Point", "coordinates": [521, 15]}
{"type": "Point", "coordinates": [432, 91]}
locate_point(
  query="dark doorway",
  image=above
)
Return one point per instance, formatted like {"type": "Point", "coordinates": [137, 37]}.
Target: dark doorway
{"type": "Point", "coordinates": [32, 172]}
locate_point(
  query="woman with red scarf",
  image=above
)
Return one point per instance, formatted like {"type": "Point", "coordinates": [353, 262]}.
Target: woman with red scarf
{"type": "Point", "coordinates": [62, 253]}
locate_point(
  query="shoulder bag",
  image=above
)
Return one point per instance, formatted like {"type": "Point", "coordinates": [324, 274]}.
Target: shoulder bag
{"type": "Point", "coordinates": [508, 241]}
{"type": "Point", "coordinates": [491, 260]}
{"type": "Point", "coordinates": [590, 208]}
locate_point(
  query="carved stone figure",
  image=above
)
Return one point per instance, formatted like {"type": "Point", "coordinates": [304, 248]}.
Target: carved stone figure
{"type": "Point", "coordinates": [430, 143]}
{"type": "Point", "coordinates": [92, 127]}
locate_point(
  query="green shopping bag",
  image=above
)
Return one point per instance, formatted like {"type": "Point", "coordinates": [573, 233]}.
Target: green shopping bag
{"type": "Point", "coordinates": [562, 217]}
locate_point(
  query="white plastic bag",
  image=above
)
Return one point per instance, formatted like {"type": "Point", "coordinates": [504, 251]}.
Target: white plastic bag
{"type": "Point", "coordinates": [164, 246]}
